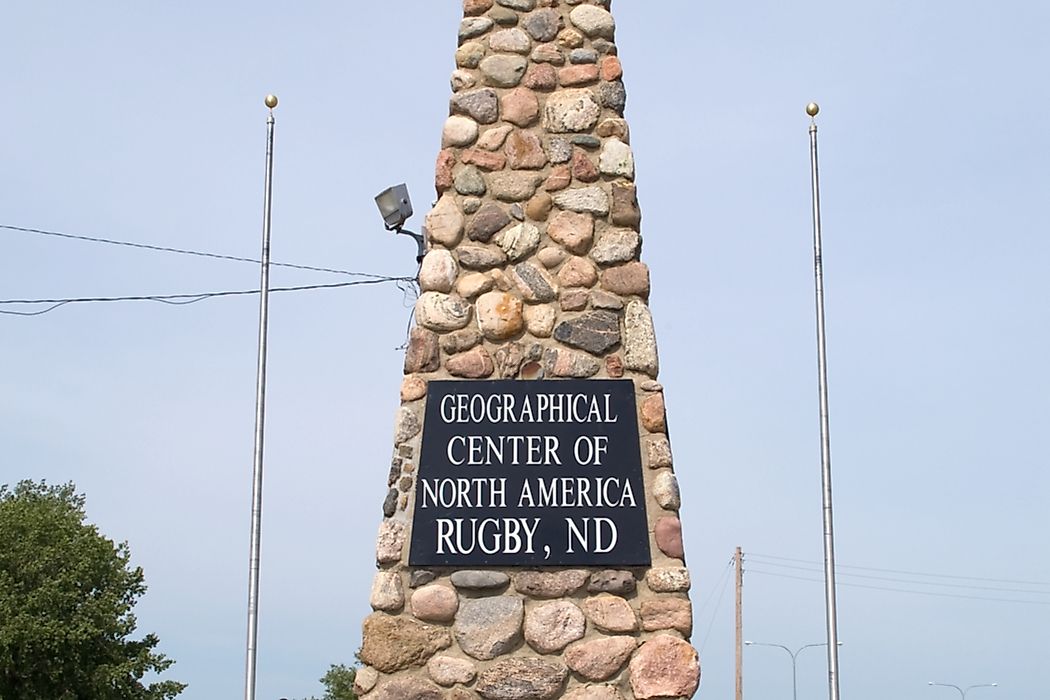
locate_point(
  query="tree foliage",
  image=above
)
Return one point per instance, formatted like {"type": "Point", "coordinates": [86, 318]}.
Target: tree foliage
{"type": "Point", "coordinates": [339, 683]}
{"type": "Point", "coordinates": [66, 599]}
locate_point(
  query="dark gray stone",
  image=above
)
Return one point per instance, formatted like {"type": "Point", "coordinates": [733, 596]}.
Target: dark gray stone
{"type": "Point", "coordinates": [503, 17]}
{"type": "Point", "coordinates": [543, 25]}
{"type": "Point", "coordinates": [479, 580]}
{"type": "Point", "coordinates": [604, 47]}
{"type": "Point", "coordinates": [469, 181]}
{"type": "Point", "coordinates": [587, 141]}
{"type": "Point", "coordinates": [474, 257]}
{"type": "Point", "coordinates": [420, 577]}
{"type": "Point", "coordinates": [579, 56]}
{"type": "Point", "coordinates": [610, 581]}
{"type": "Point", "coordinates": [613, 95]}
{"type": "Point", "coordinates": [530, 276]}
{"type": "Point", "coordinates": [597, 332]}
{"type": "Point", "coordinates": [489, 627]}
{"type": "Point", "coordinates": [390, 503]}
{"type": "Point", "coordinates": [480, 105]}
{"type": "Point", "coordinates": [489, 220]}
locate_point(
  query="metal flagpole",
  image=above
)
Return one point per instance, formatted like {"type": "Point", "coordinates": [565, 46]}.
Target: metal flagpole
{"type": "Point", "coordinates": [260, 410]}
{"type": "Point", "coordinates": [812, 109]}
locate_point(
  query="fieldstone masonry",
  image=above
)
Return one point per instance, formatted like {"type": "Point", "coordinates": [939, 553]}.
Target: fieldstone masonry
{"type": "Point", "coordinates": [533, 272]}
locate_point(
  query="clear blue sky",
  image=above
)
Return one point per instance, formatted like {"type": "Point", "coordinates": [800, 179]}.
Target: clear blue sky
{"type": "Point", "coordinates": [144, 122]}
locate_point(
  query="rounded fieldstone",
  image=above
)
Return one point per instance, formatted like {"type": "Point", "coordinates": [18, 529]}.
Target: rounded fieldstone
{"type": "Point", "coordinates": [569, 38]}
{"type": "Point", "coordinates": [387, 591]}
{"type": "Point", "coordinates": [448, 670]}
{"type": "Point", "coordinates": [422, 354]}
{"type": "Point", "coordinates": [434, 603]}
{"type": "Point", "coordinates": [472, 284]}
{"type": "Point", "coordinates": [540, 76]}
{"type": "Point", "coordinates": [559, 150]}
{"type": "Point", "coordinates": [469, 181]}
{"type": "Point", "coordinates": [550, 584]}
{"type": "Point", "coordinates": [476, 7]}
{"type": "Point", "coordinates": [553, 626]}
{"type": "Point", "coordinates": [668, 535]}
{"type": "Point", "coordinates": [504, 17]}
{"type": "Point", "coordinates": [489, 627]}
{"type": "Point", "coordinates": [583, 168]}
{"type": "Point", "coordinates": [474, 257]}
{"type": "Point", "coordinates": [441, 312]}
{"type": "Point", "coordinates": [624, 210]}
{"type": "Point", "coordinates": [438, 272]}
{"type": "Point", "coordinates": [522, 679]}
{"type": "Point", "coordinates": [593, 21]}
{"type": "Point", "coordinates": [514, 186]}
{"type": "Point", "coordinates": [539, 207]}
{"type": "Point", "coordinates": [666, 491]}
{"type": "Point", "coordinates": [459, 131]}
{"type": "Point", "coordinates": [581, 56]}
{"type": "Point", "coordinates": [460, 341]}
{"type": "Point", "coordinates": [574, 230]}
{"type": "Point", "coordinates": [600, 659]}
{"type": "Point", "coordinates": [413, 388]}
{"type": "Point", "coordinates": [547, 53]}
{"type": "Point", "coordinates": [420, 577]}
{"type": "Point", "coordinates": [668, 614]}
{"type": "Point", "coordinates": [519, 242]}
{"type": "Point", "coordinates": [479, 580]}
{"type": "Point", "coordinates": [539, 320]}
{"type": "Point", "coordinates": [393, 643]}
{"type": "Point", "coordinates": [611, 581]}
{"type": "Point", "coordinates": [445, 222]}
{"type": "Point", "coordinates": [480, 105]}
{"type": "Point", "coordinates": [574, 300]}
{"type": "Point", "coordinates": [591, 200]}
{"type": "Point", "coordinates": [462, 80]}
{"type": "Point", "coordinates": [365, 679]}
{"type": "Point", "coordinates": [472, 27]}
{"type": "Point", "coordinates": [577, 272]}
{"type": "Point", "coordinates": [543, 25]}
{"type": "Point", "coordinates": [570, 111]}
{"type": "Point", "coordinates": [407, 689]}
{"type": "Point", "coordinates": [493, 138]}
{"type": "Point", "coordinates": [613, 95]}
{"type": "Point", "coordinates": [668, 579]}
{"type": "Point", "coordinates": [469, 55]}
{"type": "Point", "coordinates": [510, 40]}
{"type": "Point", "coordinates": [665, 667]}
{"type": "Point", "coordinates": [595, 692]}
{"type": "Point", "coordinates": [611, 613]}
{"type": "Point", "coordinates": [520, 107]}
{"type": "Point", "coordinates": [552, 256]}
{"type": "Point", "coordinates": [490, 219]}
{"type": "Point", "coordinates": [503, 70]}
{"type": "Point", "coordinates": [519, 5]}
{"type": "Point", "coordinates": [524, 151]}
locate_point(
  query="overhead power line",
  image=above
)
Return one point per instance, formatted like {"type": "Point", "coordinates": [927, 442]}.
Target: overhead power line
{"type": "Point", "coordinates": [184, 251]}
{"type": "Point", "coordinates": [181, 299]}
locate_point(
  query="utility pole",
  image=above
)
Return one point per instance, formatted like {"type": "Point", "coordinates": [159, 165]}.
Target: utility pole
{"type": "Point", "coordinates": [739, 559]}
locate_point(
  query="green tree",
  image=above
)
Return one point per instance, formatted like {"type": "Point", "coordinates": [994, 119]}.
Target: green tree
{"type": "Point", "coordinates": [66, 599]}
{"type": "Point", "coordinates": [339, 683]}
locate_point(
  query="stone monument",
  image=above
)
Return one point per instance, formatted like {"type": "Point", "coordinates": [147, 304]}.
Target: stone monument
{"type": "Point", "coordinates": [531, 546]}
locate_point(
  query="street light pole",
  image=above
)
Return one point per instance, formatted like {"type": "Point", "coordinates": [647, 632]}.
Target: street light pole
{"type": "Point", "coordinates": [962, 692]}
{"type": "Point", "coordinates": [794, 660]}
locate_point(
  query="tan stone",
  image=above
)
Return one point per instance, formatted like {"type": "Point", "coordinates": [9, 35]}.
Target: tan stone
{"type": "Point", "coordinates": [573, 230]}
{"type": "Point", "coordinates": [434, 603]}
{"type": "Point", "coordinates": [407, 689]}
{"type": "Point", "coordinates": [577, 272]}
{"type": "Point", "coordinates": [666, 491]}
{"type": "Point", "coordinates": [595, 692]}
{"type": "Point", "coordinates": [499, 315]}
{"type": "Point", "coordinates": [387, 592]}
{"type": "Point", "coordinates": [441, 312]}
{"type": "Point", "coordinates": [476, 7]}
{"type": "Point", "coordinates": [539, 320]}
{"type": "Point", "coordinates": [445, 222]}
{"type": "Point", "coordinates": [422, 354]}
{"type": "Point", "coordinates": [524, 151]}
{"type": "Point", "coordinates": [493, 138]}
{"type": "Point", "coordinates": [472, 284]}
{"type": "Point", "coordinates": [654, 418]}
{"type": "Point", "coordinates": [365, 679]}
{"type": "Point", "coordinates": [599, 659]}
{"type": "Point", "coordinates": [658, 450]}
{"type": "Point", "coordinates": [393, 643]}
{"type": "Point", "coordinates": [443, 170]}
{"type": "Point", "coordinates": [667, 614]}
{"type": "Point", "coordinates": [459, 131]}
{"type": "Point", "coordinates": [520, 107]}
{"type": "Point", "coordinates": [573, 110]}
{"type": "Point", "coordinates": [665, 667]}
{"type": "Point", "coordinates": [574, 299]}
{"type": "Point", "coordinates": [539, 207]}
{"type": "Point", "coordinates": [553, 626]}
{"type": "Point", "coordinates": [448, 670]}
{"type": "Point", "coordinates": [611, 613]}
{"type": "Point", "coordinates": [390, 541]}
{"type": "Point", "coordinates": [413, 388]}
{"type": "Point", "coordinates": [438, 272]}
{"type": "Point", "coordinates": [671, 579]}
{"type": "Point", "coordinates": [582, 74]}
{"type": "Point", "coordinates": [516, 186]}
{"type": "Point", "coordinates": [552, 256]}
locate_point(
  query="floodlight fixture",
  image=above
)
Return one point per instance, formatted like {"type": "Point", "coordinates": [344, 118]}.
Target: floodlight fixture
{"type": "Point", "coordinates": [395, 206]}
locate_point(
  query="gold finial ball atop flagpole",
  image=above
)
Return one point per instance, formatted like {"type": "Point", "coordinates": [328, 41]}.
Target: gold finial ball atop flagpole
{"type": "Point", "coordinates": [271, 101]}
{"type": "Point", "coordinates": [812, 109]}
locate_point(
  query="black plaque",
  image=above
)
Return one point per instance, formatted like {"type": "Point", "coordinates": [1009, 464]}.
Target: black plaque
{"type": "Point", "coordinates": [530, 473]}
